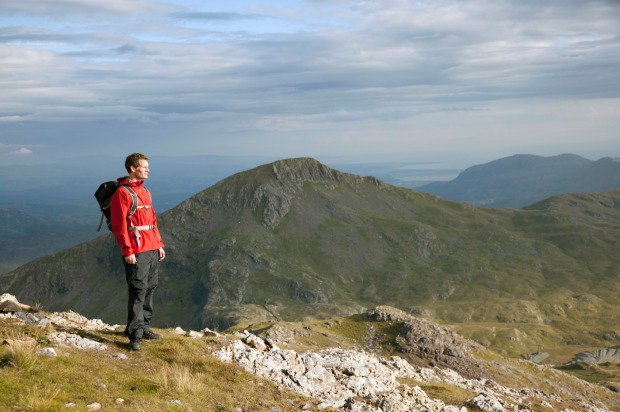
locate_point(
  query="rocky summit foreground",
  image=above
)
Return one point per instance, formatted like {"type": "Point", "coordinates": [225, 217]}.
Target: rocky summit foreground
{"type": "Point", "coordinates": [402, 363]}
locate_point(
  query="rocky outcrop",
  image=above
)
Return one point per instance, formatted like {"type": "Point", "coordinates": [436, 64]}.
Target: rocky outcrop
{"type": "Point", "coordinates": [341, 379]}
{"type": "Point", "coordinates": [599, 356]}
{"type": "Point", "coordinates": [536, 357]}
{"type": "Point", "coordinates": [354, 380]}
{"type": "Point", "coordinates": [430, 344]}
{"type": "Point", "coordinates": [9, 303]}
{"type": "Point", "coordinates": [58, 324]}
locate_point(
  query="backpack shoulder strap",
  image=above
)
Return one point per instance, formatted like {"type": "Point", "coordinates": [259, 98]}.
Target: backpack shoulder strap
{"type": "Point", "coordinates": [134, 203]}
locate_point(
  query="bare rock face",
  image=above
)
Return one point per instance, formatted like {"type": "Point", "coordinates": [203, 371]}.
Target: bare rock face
{"type": "Point", "coordinates": [599, 356]}
{"type": "Point", "coordinates": [275, 199]}
{"type": "Point", "coordinates": [430, 343]}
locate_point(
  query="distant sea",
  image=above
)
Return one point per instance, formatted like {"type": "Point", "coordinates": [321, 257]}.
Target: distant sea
{"type": "Point", "coordinates": [403, 174]}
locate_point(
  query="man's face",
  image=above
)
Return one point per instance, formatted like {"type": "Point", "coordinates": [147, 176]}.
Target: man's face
{"type": "Point", "coordinates": [141, 172]}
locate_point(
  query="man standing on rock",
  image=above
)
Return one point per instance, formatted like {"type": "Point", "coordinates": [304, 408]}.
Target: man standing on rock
{"type": "Point", "coordinates": [135, 229]}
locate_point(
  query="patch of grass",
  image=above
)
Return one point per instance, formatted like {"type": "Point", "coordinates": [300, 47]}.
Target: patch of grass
{"type": "Point", "coordinates": [608, 372]}
{"type": "Point", "coordinates": [39, 398]}
{"type": "Point", "coordinates": [175, 378]}
{"type": "Point", "coordinates": [19, 351]}
{"type": "Point", "coordinates": [448, 394]}
{"type": "Point", "coordinates": [173, 369]}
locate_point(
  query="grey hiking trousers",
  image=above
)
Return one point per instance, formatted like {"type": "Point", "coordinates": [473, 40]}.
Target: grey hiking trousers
{"type": "Point", "coordinates": [142, 281]}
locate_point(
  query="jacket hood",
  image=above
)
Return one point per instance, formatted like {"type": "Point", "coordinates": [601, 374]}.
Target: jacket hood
{"type": "Point", "coordinates": [126, 182]}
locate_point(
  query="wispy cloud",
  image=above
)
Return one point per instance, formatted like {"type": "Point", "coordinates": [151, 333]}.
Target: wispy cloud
{"type": "Point", "coordinates": [219, 16]}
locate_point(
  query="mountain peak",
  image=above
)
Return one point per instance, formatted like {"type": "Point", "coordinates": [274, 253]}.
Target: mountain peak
{"type": "Point", "coordinates": [306, 169]}
{"type": "Point", "coordinates": [269, 190]}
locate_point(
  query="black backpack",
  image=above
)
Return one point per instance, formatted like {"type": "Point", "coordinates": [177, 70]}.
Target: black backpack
{"type": "Point", "coordinates": [104, 196]}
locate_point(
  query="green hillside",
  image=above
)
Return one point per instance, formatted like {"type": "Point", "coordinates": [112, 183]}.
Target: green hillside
{"type": "Point", "coordinates": [296, 240]}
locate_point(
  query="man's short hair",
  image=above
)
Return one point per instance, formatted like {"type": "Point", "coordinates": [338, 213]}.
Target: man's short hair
{"type": "Point", "coordinates": [134, 160]}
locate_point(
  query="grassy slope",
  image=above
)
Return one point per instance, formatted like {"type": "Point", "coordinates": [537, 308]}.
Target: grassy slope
{"type": "Point", "coordinates": [173, 369]}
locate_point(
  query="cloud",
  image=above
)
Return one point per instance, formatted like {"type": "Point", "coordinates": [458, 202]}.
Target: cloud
{"type": "Point", "coordinates": [6, 118]}
{"type": "Point", "coordinates": [79, 7]}
{"type": "Point", "coordinates": [219, 16]}
{"type": "Point", "coordinates": [399, 74]}
{"type": "Point", "coordinates": [22, 152]}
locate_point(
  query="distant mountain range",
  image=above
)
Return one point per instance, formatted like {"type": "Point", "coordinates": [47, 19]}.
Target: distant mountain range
{"type": "Point", "coordinates": [296, 239]}
{"type": "Point", "coordinates": [521, 180]}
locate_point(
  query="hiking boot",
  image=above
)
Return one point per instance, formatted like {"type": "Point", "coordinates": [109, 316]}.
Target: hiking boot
{"type": "Point", "coordinates": [150, 335]}
{"type": "Point", "coordinates": [134, 344]}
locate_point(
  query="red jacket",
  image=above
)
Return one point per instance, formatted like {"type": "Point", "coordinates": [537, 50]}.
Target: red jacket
{"type": "Point", "coordinates": [149, 239]}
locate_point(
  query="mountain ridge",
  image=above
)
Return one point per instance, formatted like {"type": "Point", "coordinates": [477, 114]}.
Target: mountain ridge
{"type": "Point", "coordinates": [520, 180]}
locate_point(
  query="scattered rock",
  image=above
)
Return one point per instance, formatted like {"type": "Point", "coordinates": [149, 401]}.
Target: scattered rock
{"type": "Point", "coordinates": [101, 384]}
{"type": "Point", "coordinates": [71, 319]}
{"type": "Point", "coordinates": [10, 306]}
{"type": "Point", "coordinates": [95, 406]}
{"type": "Point", "coordinates": [49, 352]}
{"type": "Point", "coordinates": [9, 303]}
{"type": "Point", "coordinates": [44, 322]}
{"type": "Point", "coordinates": [28, 317]}
{"type": "Point", "coordinates": [64, 338]}
{"type": "Point", "coordinates": [193, 334]}
{"type": "Point", "coordinates": [209, 332]}
{"type": "Point", "coordinates": [487, 403]}
{"type": "Point", "coordinates": [536, 357]}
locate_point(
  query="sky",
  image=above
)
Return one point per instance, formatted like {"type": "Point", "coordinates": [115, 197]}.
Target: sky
{"type": "Point", "coordinates": [455, 82]}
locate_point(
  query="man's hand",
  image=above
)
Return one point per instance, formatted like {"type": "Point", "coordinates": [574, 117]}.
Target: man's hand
{"type": "Point", "coordinates": [162, 254]}
{"type": "Point", "coordinates": [131, 259]}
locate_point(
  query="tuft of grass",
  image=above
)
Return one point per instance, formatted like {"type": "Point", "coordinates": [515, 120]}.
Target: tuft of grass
{"type": "Point", "coordinates": [39, 398]}
{"type": "Point", "coordinates": [175, 378]}
{"type": "Point", "coordinates": [19, 352]}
